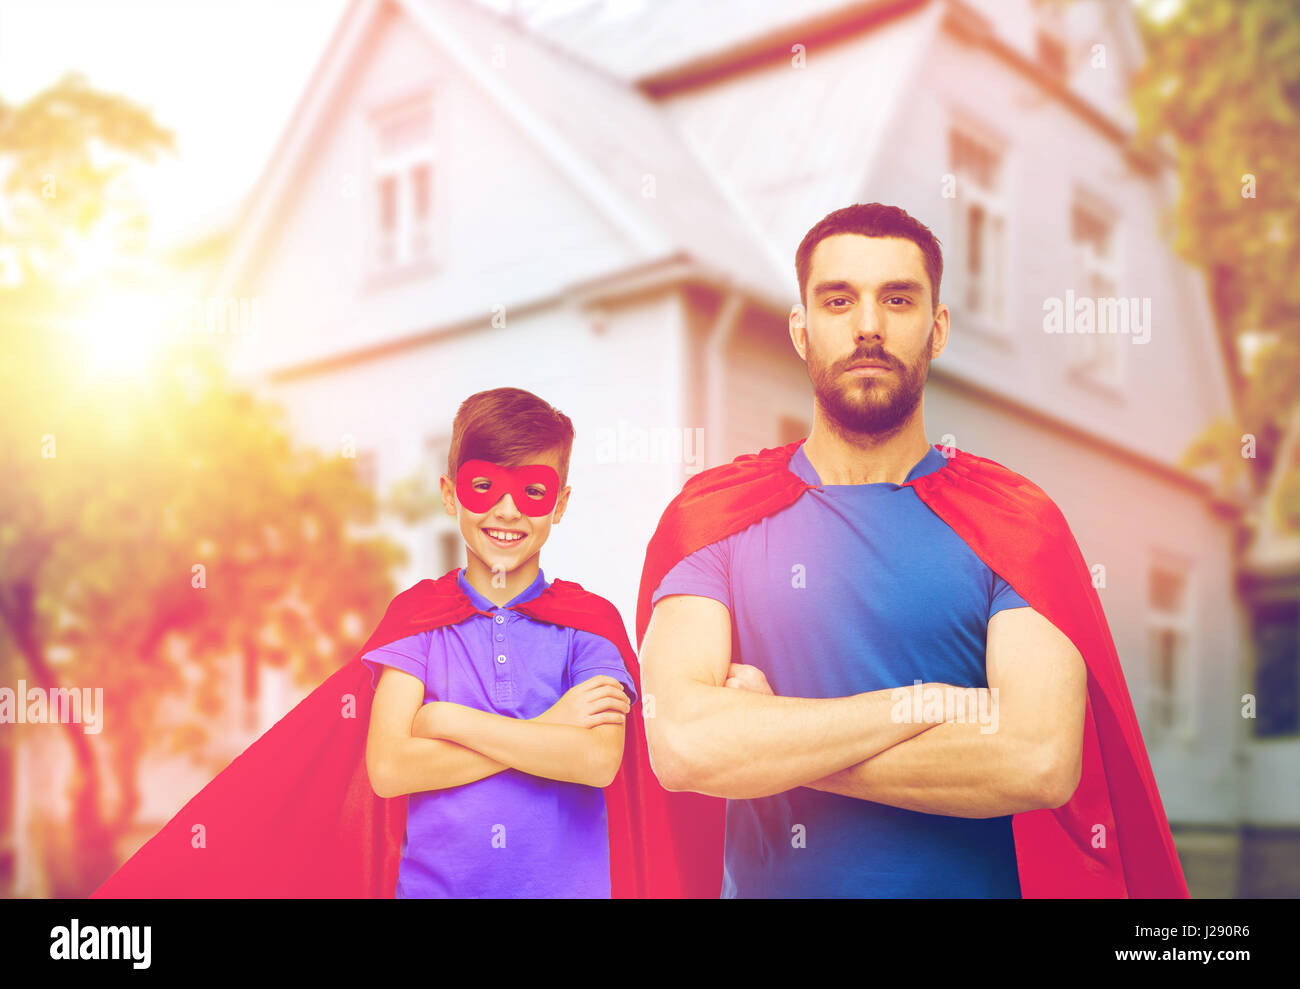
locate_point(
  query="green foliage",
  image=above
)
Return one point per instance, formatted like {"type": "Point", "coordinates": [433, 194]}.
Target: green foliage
{"type": "Point", "coordinates": [1222, 87]}
{"type": "Point", "coordinates": [118, 487]}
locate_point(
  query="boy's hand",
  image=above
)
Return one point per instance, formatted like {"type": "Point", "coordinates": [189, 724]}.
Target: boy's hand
{"type": "Point", "coordinates": [598, 701]}
{"type": "Point", "coordinates": [747, 678]}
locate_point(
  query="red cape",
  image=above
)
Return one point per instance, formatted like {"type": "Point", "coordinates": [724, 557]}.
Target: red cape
{"type": "Point", "coordinates": [294, 815]}
{"type": "Point", "coordinates": [1016, 529]}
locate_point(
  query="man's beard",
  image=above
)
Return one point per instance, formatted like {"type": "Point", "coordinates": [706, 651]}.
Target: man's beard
{"type": "Point", "coordinates": [873, 405]}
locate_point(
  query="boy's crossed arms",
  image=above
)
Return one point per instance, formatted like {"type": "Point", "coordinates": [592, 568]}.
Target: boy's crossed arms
{"type": "Point", "coordinates": [412, 746]}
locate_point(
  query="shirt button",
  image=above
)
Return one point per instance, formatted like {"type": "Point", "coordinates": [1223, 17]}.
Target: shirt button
{"type": "Point", "coordinates": [501, 658]}
{"type": "Point", "coordinates": [500, 637]}
{"type": "Point", "coordinates": [501, 619]}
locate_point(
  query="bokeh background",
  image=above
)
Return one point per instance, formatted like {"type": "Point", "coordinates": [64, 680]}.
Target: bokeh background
{"type": "Point", "coordinates": [253, 256]}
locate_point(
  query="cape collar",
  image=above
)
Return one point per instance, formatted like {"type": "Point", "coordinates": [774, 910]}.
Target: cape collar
{"type": "Point", "coordinates": [932, 460]}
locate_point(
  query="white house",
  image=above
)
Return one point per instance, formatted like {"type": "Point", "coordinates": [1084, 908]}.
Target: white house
{"type": "Point", "coordinates": [604, 208]}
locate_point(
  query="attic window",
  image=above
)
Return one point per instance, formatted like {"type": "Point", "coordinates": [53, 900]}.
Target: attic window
{"type": "Point", "coordinates": [979, 224]}
{"type": "Point", "coordinates": [403, 190]}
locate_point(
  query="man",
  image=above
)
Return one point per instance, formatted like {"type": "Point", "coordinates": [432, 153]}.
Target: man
{"type": "Point", "coordinates": [796, 591]}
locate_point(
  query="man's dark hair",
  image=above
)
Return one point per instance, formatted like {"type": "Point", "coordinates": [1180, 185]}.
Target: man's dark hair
{"type": "Point", "coordinates": [871, 220]}
{"type": "Point", "coordinates": [508, 426]}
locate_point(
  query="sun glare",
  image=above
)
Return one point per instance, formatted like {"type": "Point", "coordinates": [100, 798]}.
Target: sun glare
{"type": "Point", "coordinates": [121, 334]}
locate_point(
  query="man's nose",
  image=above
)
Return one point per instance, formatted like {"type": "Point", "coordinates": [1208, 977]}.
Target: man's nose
{"type": "Point", "coordinates": [871, 324]}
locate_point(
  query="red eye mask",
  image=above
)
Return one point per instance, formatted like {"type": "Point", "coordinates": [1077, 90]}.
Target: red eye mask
{"type": "Point", "coordinates": [514, 481]}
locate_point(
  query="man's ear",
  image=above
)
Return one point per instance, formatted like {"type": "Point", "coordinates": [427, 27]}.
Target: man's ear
{"type": "Point", "coordinates": [941, 317]}
{"type": "Point", "coordinates": [799, 330]}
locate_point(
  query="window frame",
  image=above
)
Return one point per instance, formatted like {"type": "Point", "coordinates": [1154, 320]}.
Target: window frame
{"type": "Point", "coordinates": [400, 164]}
{"type": "Point", "coordinates": [1182, 697]}
{"type": "Point", "coordinates": [995, 203]}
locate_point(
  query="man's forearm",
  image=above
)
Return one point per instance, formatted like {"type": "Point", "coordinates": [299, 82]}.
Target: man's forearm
{"type": "Point", "coordinates": [955, 770]}
{"type": "Point", "coordinates": [557, 752]}
{"type": "Point", "coordinates": [740, 744]}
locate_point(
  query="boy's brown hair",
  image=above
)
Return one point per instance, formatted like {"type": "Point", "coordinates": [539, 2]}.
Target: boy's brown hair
{"type": "Point", "coordinates": [508, 426]}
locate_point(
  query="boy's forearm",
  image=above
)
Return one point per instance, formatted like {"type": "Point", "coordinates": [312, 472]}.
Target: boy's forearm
{"type": "Point", "coordinates": [955, 769]}
{"type": "Point", "coordinates": [742, 744]}
{"type": "Point", "coordinates": [436, 764]}
{"type": "Point", "coordinates": [557, 752]}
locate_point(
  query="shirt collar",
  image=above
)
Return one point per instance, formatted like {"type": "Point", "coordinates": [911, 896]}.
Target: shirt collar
{"type": "Point", "coordinates": [928, 464]}
{"type": "Point", "coordinates": [538, 585]}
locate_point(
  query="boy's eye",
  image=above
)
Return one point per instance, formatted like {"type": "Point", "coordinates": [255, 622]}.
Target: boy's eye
{"type": "Point", "coordinates": [536, 491]}
{"type": "Point", "coordinates": [481, 484]}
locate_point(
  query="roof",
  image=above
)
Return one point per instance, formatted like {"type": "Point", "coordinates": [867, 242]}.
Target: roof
{"type": "Point", "coordinates": [639, 40]}
{"type": "Point", "coordinates": [615, 144]}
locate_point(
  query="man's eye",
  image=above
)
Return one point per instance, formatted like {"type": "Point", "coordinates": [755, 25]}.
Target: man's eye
{"type": "Point", "coordinates": [900, 299]}
{"type": "Point", "coordinates": [831, 302]}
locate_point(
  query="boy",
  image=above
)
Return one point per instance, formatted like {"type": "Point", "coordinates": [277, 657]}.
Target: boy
{"type": "Point", "coordinates": [502, 728]}
{"type": "Point", "coordinates": [527, 688]}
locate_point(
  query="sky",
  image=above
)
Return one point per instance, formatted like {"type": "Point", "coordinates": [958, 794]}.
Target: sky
{"type": "Point", "coordinates": [223, 76]}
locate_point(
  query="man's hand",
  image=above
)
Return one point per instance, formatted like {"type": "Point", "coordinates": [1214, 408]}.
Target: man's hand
{"type": "Point", "coordinates": [747, 678]}
{"type": "Point", "coordinates": [600, 700]}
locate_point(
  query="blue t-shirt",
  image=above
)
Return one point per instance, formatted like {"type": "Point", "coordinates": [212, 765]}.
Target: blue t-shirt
{"type": "Point", "coordinates": [855, 588]}
{"type": "Point", "coordinates": [510, 834]}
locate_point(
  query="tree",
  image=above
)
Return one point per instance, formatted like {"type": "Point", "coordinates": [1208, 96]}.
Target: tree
{"type": "Point", "coordinates": [1222, 84]}
{"type": "Point", "coordinates": [152, 529]}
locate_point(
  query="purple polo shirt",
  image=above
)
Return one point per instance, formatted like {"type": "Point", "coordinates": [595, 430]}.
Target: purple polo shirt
{"type": "Point", "coordinates": [510, 834]}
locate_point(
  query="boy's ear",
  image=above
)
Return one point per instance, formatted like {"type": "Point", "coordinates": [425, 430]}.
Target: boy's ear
{"type": "Point", "coordinates": [561, 503]}
{"type": "Point", "coordinates": [447, 487]}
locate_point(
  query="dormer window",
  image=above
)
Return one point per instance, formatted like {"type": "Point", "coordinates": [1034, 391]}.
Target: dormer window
{"type": "Point", "coordinates": [403, 192]}
{"type": "Point", "coordinates": [979, 225]}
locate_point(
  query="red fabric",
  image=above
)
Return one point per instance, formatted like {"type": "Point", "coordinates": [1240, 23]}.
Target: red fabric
{"type": "Point", "coordinates": [1018, 531]}
{"type": "Point", "coordinates": [294, 815]}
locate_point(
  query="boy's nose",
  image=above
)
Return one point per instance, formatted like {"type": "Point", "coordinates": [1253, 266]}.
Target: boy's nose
{"type": "Point", "coordinates": [506, 507]}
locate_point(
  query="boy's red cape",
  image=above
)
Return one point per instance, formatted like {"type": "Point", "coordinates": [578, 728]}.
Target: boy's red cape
{"type": "Point", "coordinates": [294, 815]}
{"type": "Point", "coordinates": [1110, 840]}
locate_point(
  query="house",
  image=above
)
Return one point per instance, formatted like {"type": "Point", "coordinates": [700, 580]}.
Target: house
{"type": "Point", "coordinates": [603, 209]}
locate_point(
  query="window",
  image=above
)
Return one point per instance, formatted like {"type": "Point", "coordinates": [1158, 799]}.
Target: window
{"type": "Point", "coordinates": [1169, 674]}
{"type": "Point", "coordinates": [1098, 356]}
{"type": "Point", "coordinates": [403, 184]}
{"type": "Point", "coordinates": [442, 532]}
{"type": "Point", "coordinates": [451, 550]}
{"type": "Point", "coordinates": [979, 227]}
{"type": "Point", "coordinates": [1277, 669]}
